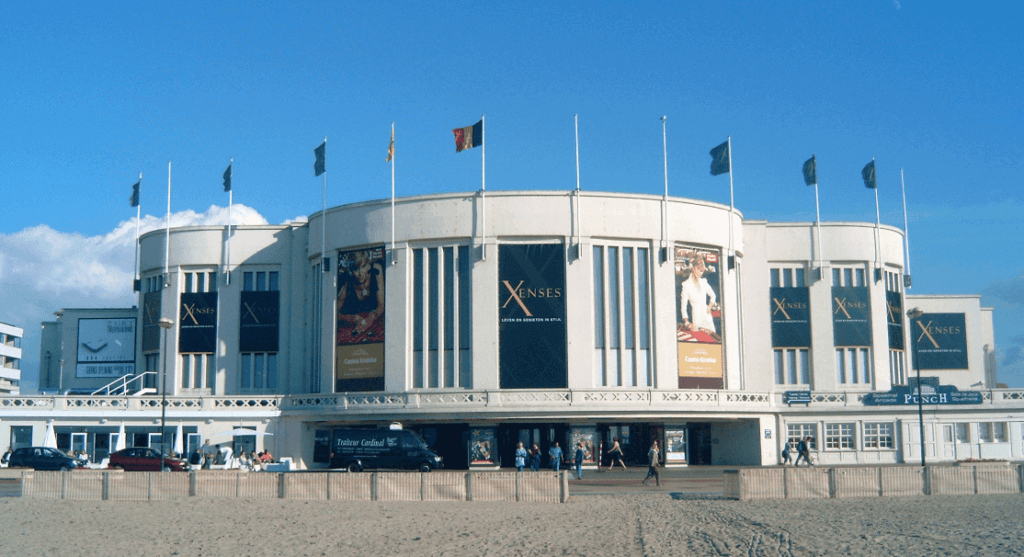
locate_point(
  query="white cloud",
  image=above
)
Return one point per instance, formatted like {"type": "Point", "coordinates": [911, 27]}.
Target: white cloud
{"type": "Point", "coordinates": [43, 270]}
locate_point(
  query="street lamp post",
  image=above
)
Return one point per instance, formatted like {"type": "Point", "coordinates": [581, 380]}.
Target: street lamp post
{"type": "Point", "coordinates": [165, 324]}
{"type": "Point", "coordinates": [914, 314]}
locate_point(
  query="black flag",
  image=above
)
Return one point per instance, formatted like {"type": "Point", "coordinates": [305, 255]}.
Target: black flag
{"type": "Point", "coordinates": [227, 178]}
{"type": "Point", "coordinates": [869, 175]}
{"type": "Point", "coordinates": [810, 171]}
{"type": "Point", "coordinates": [135, 194]}
{"type": "Point", "coordinates": [720, 159]}
{"type": "Point", "coordinates": [320, 166]}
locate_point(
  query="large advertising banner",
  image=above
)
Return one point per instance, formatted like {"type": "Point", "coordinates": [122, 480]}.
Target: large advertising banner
{"type": "Point", "coordinates": [791, 317]}
{"type": "Point", "coordinates": [851, 316]}
{"type": "Point", "coordinates": [531, 316]}
{"type": "Point", "coordinates": [894, 319]}
{"type": "Point", "coordinates": [940, 340]}
{"type": "Point", "coordinates": [197, 318]}
{"type": "Point", "coordinates": [106, 347]}
{"type": "Point", "coordinates": [258, 323]}
{"type": "Point", "coordinates": [699, 318]}
{"type": "Point", "coordinates": [150, 321]}
{"type": "Point", "coordinates": [359, 363]}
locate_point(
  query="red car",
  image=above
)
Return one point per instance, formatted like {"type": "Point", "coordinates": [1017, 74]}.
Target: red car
{"type": "Point", "coordinates": [144, 459]}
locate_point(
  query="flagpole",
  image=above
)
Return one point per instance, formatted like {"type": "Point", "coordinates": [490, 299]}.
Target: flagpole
{"type": "Point", "coordinates": [906, 231]}
{"type": "Point", "coordinates": [878, 218]}
{"type": "Point", "coordinates": [231, 194]}
{"type": "Point", "coordinates": [483, 194]}
{"type": "Point", "coordinates": [167, 247]}
{"type": "Point", "coordinates": [579, 236]}
{"type": "Point", "coordinates": [138, 216]}
{"type": "Point", "coordinates": [664, 202]}
{"type": "Point", "coordinates": [817, 213]}
{"type": "Point", "coordinates": [393, 260]}
{"type": "Point", "coordinates": [732, 207]}
{"type": "Point", "coordinates": [323, 226]}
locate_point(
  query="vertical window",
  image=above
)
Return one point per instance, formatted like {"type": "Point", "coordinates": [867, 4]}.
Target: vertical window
{"type": "Point", "coordinates": [261, 281]}
{"type": "Point", "coordinates": [839, 437]}
{"type": "Point", "coordinates": [441, 313]}
{"type": "Point", "coordinates": [621, 316]}
{"type": "Point", "coordinates": [248, 282]}
{"type": "Point", "coordinates": [792, 366]}
{"type": "Point", "coordinates": [259, 371]}
{"type": "Point", "coordinates": [853, 366]}
{"type": "Point", "coordinates": [315, 341]}
{"type": "Point", "coordinates": [188, 282]}
{"type": "Point", "coordinates": [776, 280]}
{"type": "Point", "coordinates": [897, 368]}
{"type": "Point", "coordinates": [878, 436]}
{"type": "Point", "coordinates": [197, 371]}
{"type": "Point", "coordinates": [200, 282]}
{"type": "Point", "coordinates": [963, 432]}
{"type": "Point", "coordinates": [797, 432]}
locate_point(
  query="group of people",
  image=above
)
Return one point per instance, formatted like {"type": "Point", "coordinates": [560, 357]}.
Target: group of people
{"type": "Point", "coordinates": [803, 451]}
{"type": "Point", "coordinates": [531, 458]}
{"type": "Point", "coordinates": [209, 455]}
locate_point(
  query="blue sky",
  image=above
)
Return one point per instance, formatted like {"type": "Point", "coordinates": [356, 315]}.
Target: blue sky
{"type": "Point", "coordinates": [95, 93]}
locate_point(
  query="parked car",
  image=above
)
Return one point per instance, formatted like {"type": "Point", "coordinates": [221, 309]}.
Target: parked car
{"type": "Point", "coordinates": [144, 459]}
{"type": "Point", "coordinates": [44, 458]}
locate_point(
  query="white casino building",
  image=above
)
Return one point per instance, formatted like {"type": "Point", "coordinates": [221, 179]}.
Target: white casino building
{"type": "Point", "coordinates": [542, 316]}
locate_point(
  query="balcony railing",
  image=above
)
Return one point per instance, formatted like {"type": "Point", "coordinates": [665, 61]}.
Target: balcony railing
{"type": "Point", "coordinates": [610, 400]}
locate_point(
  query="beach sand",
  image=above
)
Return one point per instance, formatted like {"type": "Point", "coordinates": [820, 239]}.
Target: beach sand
{"type": "Point", "coordinates": [652, 524]}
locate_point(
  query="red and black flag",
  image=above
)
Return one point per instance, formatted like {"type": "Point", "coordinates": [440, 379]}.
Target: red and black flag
{"type": "Point", "coordinates": [469, 136]}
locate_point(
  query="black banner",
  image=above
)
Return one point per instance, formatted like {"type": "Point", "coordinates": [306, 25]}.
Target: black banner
{"type": "Point", "coordinates": [197, 318]}
{"type": "Point", "coordinates": [531, 316]}
{"type": "Point", "coordinates": [894, 319]}
{"type": "Point", "coordinates": [150, 321]}
{"type": "Point", "coordinates": [851, 316]}
{"type": "Point", "coordinates": [791, 317]}
{"type": "Point", "coordinates": [940, 341]}
{"type": "Point", "coordinates": [258, 324]}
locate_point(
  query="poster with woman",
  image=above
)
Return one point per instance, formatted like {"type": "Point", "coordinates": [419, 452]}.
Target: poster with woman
{"type": "Point", "coordinates": [698, 317]}
{"type": "Point", "coordinates": [481, 446]}
{"type": "Point", "coordinates": [360, 331]}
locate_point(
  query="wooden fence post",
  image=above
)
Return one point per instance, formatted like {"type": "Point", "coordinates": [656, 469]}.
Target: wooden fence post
{"type": "Point", "coordinates": [469, 485]}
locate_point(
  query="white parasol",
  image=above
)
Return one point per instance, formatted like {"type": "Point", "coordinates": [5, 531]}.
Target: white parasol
{"type": "Point", "coordinates": [241, 432]}
{"type": "Point", "coordinates": [178, 445]}
{"type": "Point", "coordinates": [49, 439]}
{"type": "Point", "coordinates": [121, 443]}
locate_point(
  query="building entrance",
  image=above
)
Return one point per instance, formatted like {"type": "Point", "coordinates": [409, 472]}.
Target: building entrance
{"type": "Point", "coordinates": [699, 435]}
{"type": "Point", "coordinates": [545, 435]}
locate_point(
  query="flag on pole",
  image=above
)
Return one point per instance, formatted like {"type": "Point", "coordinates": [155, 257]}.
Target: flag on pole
{"type": "Point", "coordinates": [868, 173]}
{"type": "Point", "coordinates": [720, 159]}
{"type": "Point", "coordinates": [227, 178]}
{"type": "Point", "coordinates": [810, 171]}
{"type": "Point", "coordinates": [135, 194]}
{"type": "Point", "coordinates": [469, 136]}
{"type": "Point", "coordinates": [320, 166]}
{"type": "Point", "coordinates": [391, 147]}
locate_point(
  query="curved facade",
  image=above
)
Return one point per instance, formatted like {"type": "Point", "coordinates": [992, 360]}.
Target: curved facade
{"type": "Point", "coordinates": [481, 320]}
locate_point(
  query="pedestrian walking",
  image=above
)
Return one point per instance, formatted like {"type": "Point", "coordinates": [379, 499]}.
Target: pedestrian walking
{"type": "Point", "coordinates": [579, 461]}
{"type": "Point", "coordinates": [535, 458]}
{"type": "Point", "coordinates": [804, 451]}
{"type": "Point", "coordinates": [787, 456]}
{"type": "Point", "coordinates": [520, 457]}
{"type": "Point", "coordinates": [556, 457]}
{"type": "Point", "coordinates": [652, 469]}
{"type": "Point", "coordinates": [615, 454]}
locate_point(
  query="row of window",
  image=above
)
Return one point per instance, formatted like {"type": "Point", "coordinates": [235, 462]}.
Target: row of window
{"type": "Point", "coordinates": [206, 281]}
{"type": "Point", "coordinates": [842, 436]}
{"type": "Point", "coordinates": [199, 371]}
{"type": "Point", "coordinates": [853, 366]}
{"type": "Point", "coordinates": [880, 435]}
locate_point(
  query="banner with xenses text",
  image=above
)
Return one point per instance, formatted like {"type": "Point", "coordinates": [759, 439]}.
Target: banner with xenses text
{"type": "Point", "coordinates": [894, 319]}
{"type": "Point", "coordinates": [699, 317]}
{"type": "Point", "coordinates": [359, 363]}
{"type": "Point", "coordinates": [531, 316]}
{"type": "Point", "coordinates": [258, 322]}
{"type": "Point", "coordinates": [791, 317]}
{"type": "Point", "coordinates": [940, 340]}
{"type": "Point", "coordinates": [151, 303]}
{"type": "Point", "coordinates": [197, 322]}
{"type": "Point", "coordinates": [851, 316]}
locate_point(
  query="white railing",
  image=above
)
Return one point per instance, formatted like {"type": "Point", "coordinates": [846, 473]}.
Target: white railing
{"type": "Point", "coordinates": [465, 400]}
{"type": "Point", "coordinates": [120, 385]}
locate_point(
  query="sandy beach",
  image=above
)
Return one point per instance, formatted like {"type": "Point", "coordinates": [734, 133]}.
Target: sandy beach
{"type": "Point", "coordinates": [650, 524]}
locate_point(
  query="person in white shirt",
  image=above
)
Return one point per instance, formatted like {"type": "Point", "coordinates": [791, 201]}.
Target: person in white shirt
{"type": "Point", "coordinates": [697, 299]}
